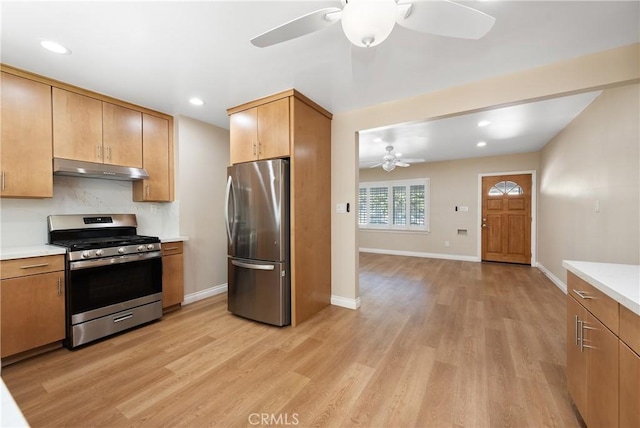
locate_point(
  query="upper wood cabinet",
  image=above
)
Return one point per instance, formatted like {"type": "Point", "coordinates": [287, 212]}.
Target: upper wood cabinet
{"type": "Point", "coordinates": [25, 142]}
{"type": "Point", "coordinates": [260, 132]}
{"type": "Point", "coordinates": [288, 124]}
{"type": "Point", "coordinates": [88, 129]}
{"type": "Point", "coordinates": [121, 135]}
{"type": "Point", "coordinates": [157, 160]}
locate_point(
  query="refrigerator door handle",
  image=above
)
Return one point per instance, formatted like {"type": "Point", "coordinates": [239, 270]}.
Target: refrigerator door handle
{"type": "Point", "coordinates": [252, 266]}
{"type": "Point", "coordinates": [226, 207]}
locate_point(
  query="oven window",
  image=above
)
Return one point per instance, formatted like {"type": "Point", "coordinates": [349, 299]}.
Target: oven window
{"type": "Point", "coordinates": [96, 287]}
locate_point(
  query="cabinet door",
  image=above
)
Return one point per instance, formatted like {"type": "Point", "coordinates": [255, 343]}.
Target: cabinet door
{"type": "Point", "coordinates": [156, 161]}
{"type": "Point", "coordinates": [122, 136]}
{"type": "Point", "coordinates": [576, 359]}
{"type": "Point", "coordinates": [32, 312]}
{"type": "Point", "coordinates": [602, 374]}
{"type": "Point", "coordinates": [629, 387]}
{"type": "Point", "coordinates": [172, 280]}
{"type": "Point", "coordinates": [25, 142]}
{"type": "Point", "coordinates": [243, 136]}
{"type": "Point", "coordinates": [273, 129]}
{"type": "Point", "coordinates": [77, 126]}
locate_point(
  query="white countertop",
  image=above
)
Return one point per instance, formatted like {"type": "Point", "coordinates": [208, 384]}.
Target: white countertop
{"type": "Point", "coordinates": [620, 282]}
{"type": "Point", "coordinates": [10, 414]}
{"type": "Point", "coordinates": [10, 253]}
{"type": "Point", "coordinates": [166, 239]}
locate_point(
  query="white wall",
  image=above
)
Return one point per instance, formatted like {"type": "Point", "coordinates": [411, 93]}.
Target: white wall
{"type": "Point", "coordinates": [202, 159]}
{"type": "Point", "coordinates": [594, 161]}
{"type": "Point", "coordinates": [24, 221]}
{"type": "Point", "coordinates": [452, 183]}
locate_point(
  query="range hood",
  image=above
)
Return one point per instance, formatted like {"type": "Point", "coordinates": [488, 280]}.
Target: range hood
{"type": "Point", "coordinates": [97, 170]}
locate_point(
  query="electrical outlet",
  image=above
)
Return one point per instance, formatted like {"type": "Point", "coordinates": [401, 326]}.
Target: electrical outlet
{"type": "Point", "coordinates": [446, 243]}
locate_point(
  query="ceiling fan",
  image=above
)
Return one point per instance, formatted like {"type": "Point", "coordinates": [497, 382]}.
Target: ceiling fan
{"type": "Point", "coordinates": [390, 161]}
{"type": "Point", "coordinates": [367, 23]}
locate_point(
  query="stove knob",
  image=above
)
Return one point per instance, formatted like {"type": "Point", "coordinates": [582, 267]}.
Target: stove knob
{"type": "Point", "coordinates": [86, 254]}
{"type": "Point", "coordinates": [99, 252]}
{"type": "Point", "coordinates": [150, 247]}
{"type": "Point", "coordinates": [141, 248]}
{"type": "Point", "coordinates": [121, 250]}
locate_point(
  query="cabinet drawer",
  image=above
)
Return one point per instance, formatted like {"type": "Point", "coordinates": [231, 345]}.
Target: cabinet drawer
{"type": "Point", "coordinates": [31, 266]}
{"type": "Point", "coordinates": [630, 329]}
{"type": "Point", "coordinates": [596, 302]}
{"type": "Point", "coordinates": [171, 248]}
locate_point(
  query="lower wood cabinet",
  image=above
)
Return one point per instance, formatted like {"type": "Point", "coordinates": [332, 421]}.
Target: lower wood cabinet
{"type": "Point", "coordinates": [603, 372]}
{"type": "Point", "coordinates": [172, 275]}
{"type": "Point", "coordinates": [32, 301]}
{"type": "Point", "coordinates": [629, 387]}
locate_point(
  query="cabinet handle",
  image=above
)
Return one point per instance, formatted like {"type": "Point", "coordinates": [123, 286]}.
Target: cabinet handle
{"type": "Point", "coordinates": [259, 148]}
{"type": "Point", "coordinates": [582, 328]}
{"type": "Point", "coordinates": [34, 266]}
{"type": "Point", "coordinates": [59, 287]}
{"type": "Point", "coordinates": [98, 152]}
{"type": "Point", "coordinates": [148, 191]}
{"type": "Point", "coordinates": [577, 329]}
{"type": "Point", "coordinates": [108, 152]}
{"type": "Point", "coordinates": [3, 179]}
{"type": "Point", "coordinates": [254, 149]}
{"type": "Point", "coordinates": [170, 248]}
{"type": "Point", "coordinates": [582, 294]}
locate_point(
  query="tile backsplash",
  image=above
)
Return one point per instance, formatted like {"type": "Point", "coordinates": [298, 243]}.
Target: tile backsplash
{"type": "Point", "coordinates": [23, 222]}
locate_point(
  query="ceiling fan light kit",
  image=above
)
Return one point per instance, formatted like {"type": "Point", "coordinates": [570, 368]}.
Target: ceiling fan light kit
{"type": "Point", "coordinates": [390, 161]}
{"type": "Point", "coordinates": [368, 23]}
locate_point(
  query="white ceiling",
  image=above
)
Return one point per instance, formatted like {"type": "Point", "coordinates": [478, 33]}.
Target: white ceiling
{"type": "Point", "coordinates": [518, 129]}
{"type": "Point", "coordinates": [159, 54]}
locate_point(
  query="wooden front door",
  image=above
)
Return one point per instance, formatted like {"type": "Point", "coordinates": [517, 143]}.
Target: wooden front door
{"type": "Point", "coordinates": [506, 218]}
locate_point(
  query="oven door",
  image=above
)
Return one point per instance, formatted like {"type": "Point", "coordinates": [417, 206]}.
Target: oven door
{"type": "Point", "coordinates": [102, 286]}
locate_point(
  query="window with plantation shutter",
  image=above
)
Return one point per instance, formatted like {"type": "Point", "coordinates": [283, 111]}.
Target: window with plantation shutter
{"type": "Point", "coordinates": [394, 205]}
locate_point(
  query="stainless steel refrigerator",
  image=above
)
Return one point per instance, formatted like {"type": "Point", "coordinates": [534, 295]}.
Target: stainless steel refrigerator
{"type": "Point", "coordinates": [257, 218]}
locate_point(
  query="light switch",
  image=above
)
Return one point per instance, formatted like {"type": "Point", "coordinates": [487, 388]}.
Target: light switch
{"type": "Point", "coordinates": [463, 208]}
{"type": "Point", "coordinates": [341, 208]}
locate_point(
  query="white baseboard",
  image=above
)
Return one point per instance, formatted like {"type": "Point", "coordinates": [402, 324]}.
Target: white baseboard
{"type": "Point", "coordinates": [203, 294]}
{"type": "Point", "coordinates": [420, 254]}
{"type": "Point", "coordinates": [561, 285]}
{"type": "Point", "coordinates": [345, 302]}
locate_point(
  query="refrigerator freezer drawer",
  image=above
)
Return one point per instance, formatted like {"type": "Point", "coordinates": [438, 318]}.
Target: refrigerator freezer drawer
{"type": "Point", "coordinates": [259, 291]}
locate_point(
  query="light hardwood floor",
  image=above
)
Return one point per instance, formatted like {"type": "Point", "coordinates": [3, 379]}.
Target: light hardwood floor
{"type": "Point", "coordinates": [436, 343]}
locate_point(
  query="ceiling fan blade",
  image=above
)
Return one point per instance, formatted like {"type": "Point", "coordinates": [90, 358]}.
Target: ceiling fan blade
{"type": "Point", "coordinates": [412, 160]}
{"type": "Point", "coordinates": [376, 165]}
{"type": "Point", "coordinates": [306, 24]}
{"type": "Point", "coordinates": [445, 18]}
{"type": "Point", "coordinates": [402, 164]}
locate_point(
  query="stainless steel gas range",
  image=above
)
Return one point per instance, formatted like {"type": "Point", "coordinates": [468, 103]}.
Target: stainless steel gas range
{"type": "Point", "coordinates": [113, 275]}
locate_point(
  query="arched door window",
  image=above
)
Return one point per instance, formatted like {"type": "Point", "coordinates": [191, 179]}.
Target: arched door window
{"type": "Point", "coordinates": [506, 188]}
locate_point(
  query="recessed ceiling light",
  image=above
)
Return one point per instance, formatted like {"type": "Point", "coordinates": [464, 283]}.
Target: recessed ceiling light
{"type": "Point", "coordinates": [481, 144]}
{"type": "Point", "coordinates": [55, 47]}
{"type": "Point", "coordinates": [196, 101]}
{"type": "Point", "coordinates": [377, 140]}
{"type": "Point", "coordinates": [398, 155]}
{"type": "Point", "coordinates": [484, 123]}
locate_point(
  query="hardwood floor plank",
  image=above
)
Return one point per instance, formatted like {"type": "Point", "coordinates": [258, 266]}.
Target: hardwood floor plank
{"type": "Point", "coordinates": [435, 343]}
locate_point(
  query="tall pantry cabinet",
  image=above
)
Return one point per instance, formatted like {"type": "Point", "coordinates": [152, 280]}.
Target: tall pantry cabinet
{"type": "Point", "coordinates": [290, 125]}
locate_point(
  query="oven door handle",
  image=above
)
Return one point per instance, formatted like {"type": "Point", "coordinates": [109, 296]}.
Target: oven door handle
{"type": "Point", "coordinates": [108, 261]}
